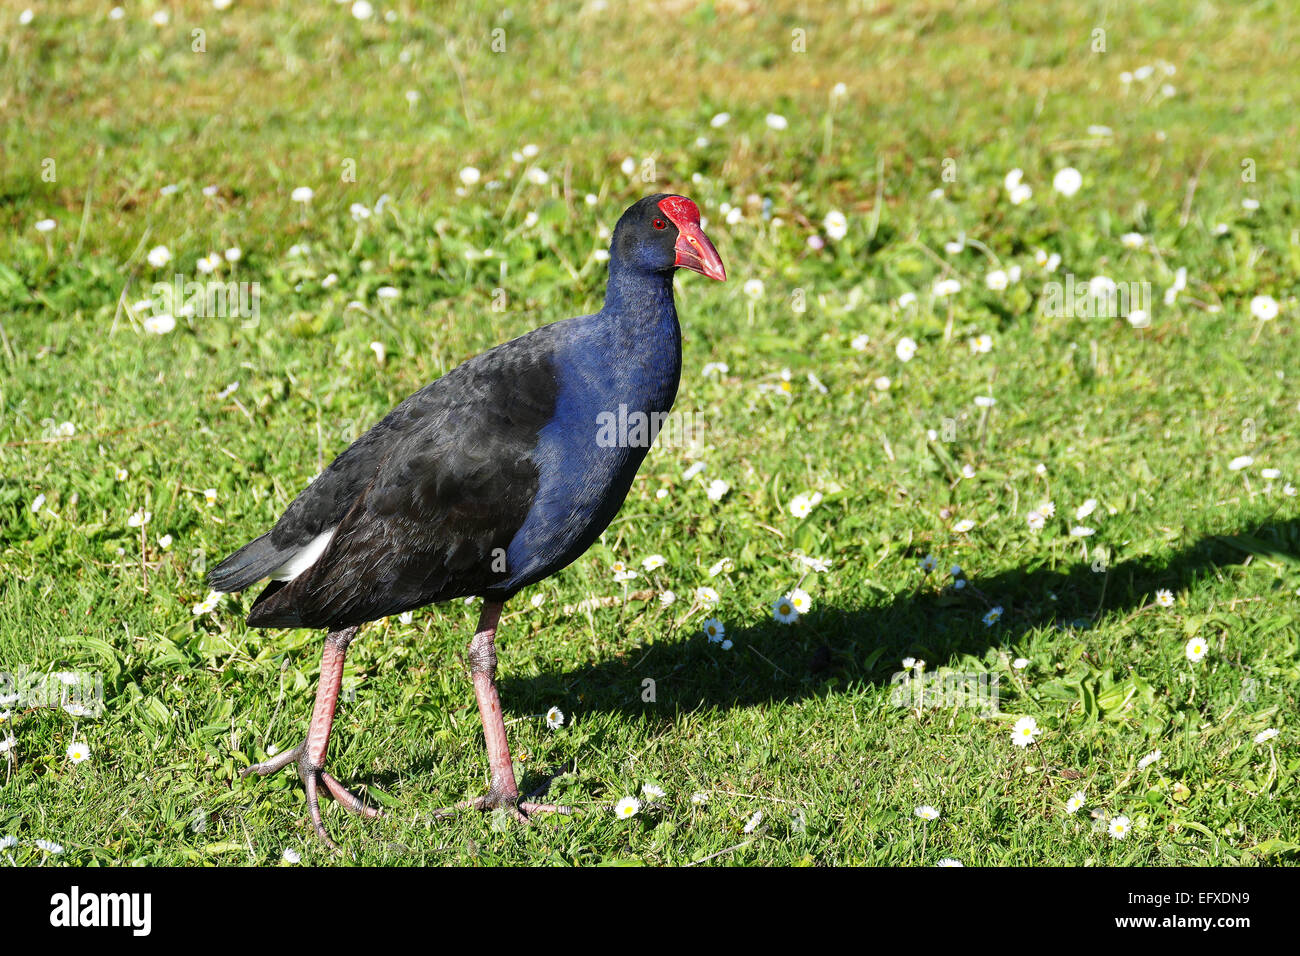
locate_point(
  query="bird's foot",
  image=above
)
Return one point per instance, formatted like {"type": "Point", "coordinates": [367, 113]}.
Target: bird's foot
{"type": "Point", "coordinates": [313, 776]}
{"type": "Point", "coordinates": [521, 808]}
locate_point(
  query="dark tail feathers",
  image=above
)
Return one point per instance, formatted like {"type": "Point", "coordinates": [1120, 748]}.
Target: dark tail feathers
{"type": "Point", "coordinates": [250, 564]}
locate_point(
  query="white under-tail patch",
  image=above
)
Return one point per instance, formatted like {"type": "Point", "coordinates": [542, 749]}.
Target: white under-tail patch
{"type": "Point", "coordinates": [304, 557]}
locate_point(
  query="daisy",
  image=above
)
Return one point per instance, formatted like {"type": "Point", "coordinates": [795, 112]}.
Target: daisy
{"type": "Point", "coordinates": [985, 401]}
{"type": "Point", "coordinates": [1196, 649]}
{"type": "Point", "coordinates": [776, 121]}
{"type": "Point", "coordinates": [45, 225]}
{"type": "Point", "coordinates": [1132, 240]}
{"type": "Point", "coordinates": [715, 368]}
{"type": "Point", "coordinates": [1119, 827]}
{"type": "Point", "coordinates": [1075, 803]}
{"type": "Point", "coordinates": [302, 194]}
{"type": "Point", "coordinates": [946, 287]}
{"type": "Point", "coordinates": [882, 383]}
{"type": "Point", "coordinates": [905, 349]}
{"type": "Point", "coordinates": [836, 225]}
{"type": "Point", "coordinates": [1067, 181]}
{"type": "Point", "coordinates": [78, 752]}
{"type": "Point", "coordinates": [820, 565]}
{"type": "Point", "coordinates": [388, 292]}
{"type": "Point", "coordinates": [801, 600]}
{"type": "Point", "coordinates": [927, 812]}
{"type": "Point", "coordinates": [714, 630]}
{"type": "Point", "coordinates": [233, 254]}
{"type": "Point", "coordinates": [906, 299]}
{"type": "Point", "coordinates": [754, 821]}
{"type": "Point", "coordinates": [1149, 759]}
{"type": "Point", "coordinates": [653, 562]}
{"type": "Point", "coordinates": [627, 807]}
{"type": "Point", "coordinates": [720, 120]}
{"type": "Point", "coordinates": [1020, 663]}
{"type": "Point", "coordinates": [706, 596]}
{"type": "Point", "coordinates": [159, 324]}
{"type": "Point", "coordinates": [7, 744]}
{"type": "Point", "coordinates": [1165, 597]}
{"type": "Point", "coordinates": [783, 610]}
{"type": "Point", "coordinates": [651, 791]}
{"type": "Point", "coordinates": [1264, 736]}
{"type": "Point", "coordinates": [802, 505]}
{"type": "Point", "coordinates": [1020, 194]}
{"type": "Point", "coordinates": [48, 846]}
{"type": "Point", "coordinates": [699, 798]}
{"type": "Point", "coordinates": [1272, 474]}
{"type": "Point", "coordinates": [1024, 731]}
{"type": "Point", "coordinates": [726, 564]}
{"type": "Point", "coordinates": [140, 518]}
{"type": "Point", "coordinates": [538, 177]}
{"type": "Point", "coordinates": [964, 525]}
{"type": "Point", "coordinates": [159, 256]}
{"type": "Point", "coordinates": [210, 495]}
{"type": "Point", "coordinates": [207, 605]}
{"type": "Point", "coordinates": [718, 489]}
{"type": "Point", "coordinates": [38, 503]}
{"type": "Point", "coordinates": [981, 344]}
{"type": "Point", "coordinates": [363, 10]}
{"type": "Point", "coordinates": [667, 599]}
{"type": "Point", "coordinates": [291, 856]}
{"type": "Point", "coordinates": [1085, 509]}
{"type": "Point", "coordinates": [929, 563]}
{"type": "Point", "coordinates": [949, 861]}
{"type": "Point", "coordinates": [470, 175]}
{"type": "Point", "coordinates": [726, 645]}
{"type": "Point", "coordinates": [1264, 308]}
{"type": "Point", "coordinates": [1082, 531]}
{"type": "Point", "coordinates": [997, 280]}
{"type": "Point", "coordinates": [993, 616]}
{"type": "Point", "coordinates": [1035, 520]}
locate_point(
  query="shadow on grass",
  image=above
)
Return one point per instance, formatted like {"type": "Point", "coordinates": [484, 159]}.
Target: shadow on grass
{"type": "Point", "coordinates": [834, 649]}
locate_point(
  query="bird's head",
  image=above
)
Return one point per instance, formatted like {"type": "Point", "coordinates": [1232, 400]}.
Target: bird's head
{"type": "Point", "coordinates": [662, 233]}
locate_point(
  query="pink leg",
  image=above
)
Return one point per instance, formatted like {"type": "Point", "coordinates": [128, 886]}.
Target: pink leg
{"type": "Point", "coordinates": [503, 790]}
{"type": "Point", "coordinates": [310, 754]}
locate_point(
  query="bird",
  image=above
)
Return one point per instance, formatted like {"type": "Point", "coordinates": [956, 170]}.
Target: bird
{"type": "Point", "coordinates": [487, 480]}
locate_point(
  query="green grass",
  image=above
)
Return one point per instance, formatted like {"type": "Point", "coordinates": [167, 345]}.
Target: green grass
{"type": "Point", "coordinates": [798, 721]}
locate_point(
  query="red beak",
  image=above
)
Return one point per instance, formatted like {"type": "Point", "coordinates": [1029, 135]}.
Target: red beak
{"type": "Point", "coordinates": [694, 251]}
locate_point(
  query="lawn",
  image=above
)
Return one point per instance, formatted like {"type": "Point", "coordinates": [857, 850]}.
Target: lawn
{"type": "Point", "coordinates": [1054, 509]}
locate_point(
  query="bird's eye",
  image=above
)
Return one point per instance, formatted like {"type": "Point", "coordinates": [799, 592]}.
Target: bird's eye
{"type": "Point", "coordinates": [660, 224]}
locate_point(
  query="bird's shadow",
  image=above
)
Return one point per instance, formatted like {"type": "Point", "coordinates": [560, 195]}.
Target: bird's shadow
{"type": "Point", "coordinates": [833, 649]}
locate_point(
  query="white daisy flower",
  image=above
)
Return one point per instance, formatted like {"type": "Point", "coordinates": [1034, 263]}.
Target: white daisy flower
{"type": "Point", "coordinates": [627, 807]}
{"type": "Point", "coordinates": [801, 600]}
{"type": "Point", "coordinates": [555, 718]}
{"type": "Point", "coordinates": [783, 610]}
{"type": "Point", "coordinates": [706, 596]}
{"type": "Point", "coordinates": [1240, 462]}
{"type": "Point", "coordinates": [929, 563]}
{"type": "Point", "coordinates": [964, 525]}
{"type": "Point", "coordinates": [652, 791]}
{"type": "Point", "coordinates": [776, 121]}
{"type": "Point", "coordinates": [997, 280]}
{"type": "Point", "coordinates": [1133, 240]}
{"type": "Point", "coordinates": [836, 225]}
{"type": "Point", "coordinates": [718, 489]}
{"type": "Point", "coordinates": [1020, 194]}
{"type": "Point", "coordinates": [1196, 649]}
{"type": "Point", "coordinates": [1165, 597]}
{"type": "Point", "coordinates": [1067, 181]}
{"type": "Point", "coordinates": [654, 562]}
{"type": "Point", "coordinates": [949, 861]}
{"type": "Point", "coordinates": [802, 505]}
{"type": "Point", "coordinates": [906, 349]}
{"type": "Point", "coordinates": [714, 630]}
{"type": "Point", "coordinates": [1075, 803]}
{"type": "Point", "coordinates": [159, 256]}
{"type": "Point", "coordinates": [753, 288]}
{"type": "Point", "coordinates": [754, 821]}
{"type": "Point", "coordinates": [302, 194]}
{"type": "Point", "coordinates": [1149, 759]}
{"type": "Point", "coordinates": [1082, 531]}
{"type": "Point", "coordinates": [1264, 736]}
{"type": "Point", "coordinates": [927, 812]}
{"type": "Point", "coordinates": [1085, 509]}
{"type": "Point", "coordinates": [77, 752]}
{"type": "Point", "coordinates": [1264, 308]}
{"type": "Point", "coordinates": [993, 616]}
{"type": "Point", "coordinates": [1119, 827]}
{"type": "Point", "coordinates": [667, 598]}
{"type": "Point", "coordinates": [906, 299]}
{"type": "Point", "coordinates": [1024, 731]}
{"type": "Point", "coordinates": [946, 287]}
{"type": "Point", "coordinates": [1020, 663]}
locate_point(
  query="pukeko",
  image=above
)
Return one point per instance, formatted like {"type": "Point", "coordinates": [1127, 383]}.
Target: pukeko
{"type": "Point", "coordinates": [483, 482]}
